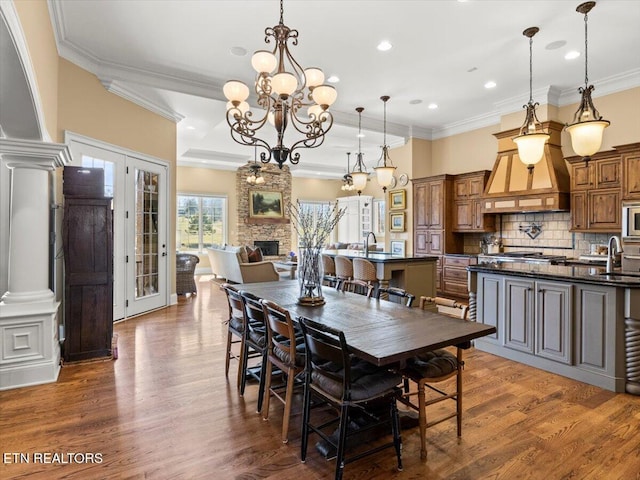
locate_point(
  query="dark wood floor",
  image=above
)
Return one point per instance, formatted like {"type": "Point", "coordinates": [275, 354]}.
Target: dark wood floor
{"type": "Point", "coordinates": [164, 410]}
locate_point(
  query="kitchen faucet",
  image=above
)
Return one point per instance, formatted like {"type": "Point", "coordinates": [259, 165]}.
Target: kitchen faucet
{"type": "Point", "coordinates": [366, 242]}
{"type": "Point", "coordinates": [611, 255]}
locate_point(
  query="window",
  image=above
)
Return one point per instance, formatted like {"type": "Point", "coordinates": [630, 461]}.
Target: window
{"type": "Point", "coordinates": [317, 208]}
{"type": "Point", "coordinates": [201, 223]}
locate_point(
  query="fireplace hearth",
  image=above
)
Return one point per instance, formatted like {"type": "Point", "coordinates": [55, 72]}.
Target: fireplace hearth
{"type": "Point", "coordinates": [270, 248]}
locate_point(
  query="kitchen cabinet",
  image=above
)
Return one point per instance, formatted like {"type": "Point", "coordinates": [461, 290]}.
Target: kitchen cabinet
{"type": "Point", "coordinates": [357, 220]}
{"type": "Point", "coordinates": [631, 172]}
{"type": "Point", "coordinates": [596, 193]}
{"type": "Point", "coordinates": [455, 275]}
{"type": "Point", "coordinates": [490, 298]}
{"type": "Point", "coordinates": [468, 215]}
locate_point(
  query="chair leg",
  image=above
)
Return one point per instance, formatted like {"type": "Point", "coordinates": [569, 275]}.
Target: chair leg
{"type": "Point", "coordinates": [342, 440]}
{"type": "Point", "coordinates": [261, 385]}
{"type": "Point", "coordinates": [242, 363]}
{"type": "Point", "coordinates": [288, 400]}
{"type": "Point", "coordinates": [267, 392]}
{"type": "Point", "coordinates": [226, 365]}
{"type": "Point", "coordinates": [459, 393]}
{"type": "Point", "coordinates": [422, 420]}
{"type": "Point", "coordinates": [306, 413]}
{"type": "Point", "coordinates": [395, 428]}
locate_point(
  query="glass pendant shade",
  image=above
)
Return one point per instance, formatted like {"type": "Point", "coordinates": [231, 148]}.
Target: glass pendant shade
{"type": "Point", "coordinates": [324, 95]}
{"type": "Point", "coordinates": [384, 175]}
{"type": "Point", "coordinates": [359, 180]}
{"type": "Point", "coordinates": [313, 77]}
{"type": "Point", "coordinates": [531, 147]}
{"type": "Point", "coordinates": [284, 84]}
{"type": "Point", "coordinates": [235, 91]}
{"type": "Point", "coordinates": [318, 112]}
{"type": "Point", "coordinates": [586, 137]}
{"type": "Point", "coordinates": [264, 61]}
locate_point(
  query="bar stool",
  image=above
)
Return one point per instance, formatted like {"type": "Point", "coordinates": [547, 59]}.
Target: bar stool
{"type": "Point", "coordinates": [344, 269]}
{"type": "Point", "coordinates": [364, 270]}
{"type": "Point", "coordinates": [329, 277]}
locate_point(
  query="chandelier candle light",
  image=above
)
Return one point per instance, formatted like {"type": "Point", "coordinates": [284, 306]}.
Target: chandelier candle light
{"type": "Point", "coordinates": [291, 95]}
{"type": "Point", "coordinates": [532, 137]}
{"type": "Point", "coordinates": [359, 175]}
{"type": "Point", "coordinates": [588, 126]}
{"type": "Point", "coordinates": [313, 229]}
{"type": "Point", "coordinates": [384, 171]}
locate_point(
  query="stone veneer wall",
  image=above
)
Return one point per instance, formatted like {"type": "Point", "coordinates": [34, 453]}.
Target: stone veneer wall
{"type": "Point", "coordinates": [555, 239]}
{"type": "Point", "coordinates": [251, 230]}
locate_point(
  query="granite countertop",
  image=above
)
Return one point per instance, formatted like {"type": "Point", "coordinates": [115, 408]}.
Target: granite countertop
{"type": "Point", "coordinates": [576, 273]}
{"type": "Point", "coordinates": [379, 257]}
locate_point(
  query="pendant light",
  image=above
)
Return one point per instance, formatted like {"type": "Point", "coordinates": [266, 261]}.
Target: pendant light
{"type": "Point", "coordinates": [384, 171]}
{"type": "Point", "coordinates": [359, 173]}
{"type": "Point", "coordinates": [255, 176]}
{"type": "Point", "coordinates": [347, 180]}
{"type": "Point", "coordinates": [532, 137]}
{"type": "Point", "coordinates": [587, 127]}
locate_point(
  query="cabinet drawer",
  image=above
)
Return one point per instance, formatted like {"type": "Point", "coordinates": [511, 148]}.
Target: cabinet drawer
{"type": "Point", "coordinates": [455, 288]}
{"type": "Point", "coordinates": [458, 261]}
{"type": "Point", "coordinates": [455, 274]}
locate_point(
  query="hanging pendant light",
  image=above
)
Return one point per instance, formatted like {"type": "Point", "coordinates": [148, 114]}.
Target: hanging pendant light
{"type": "Point", "coordinates": [359, 173]}
{"type": "Point", "coordinates": [347, 180]}
{"type": "Point", "coordinates": [255, 171]}
{"type": "Point", "coordinates": [284, 90]}
{"type": "Point", "coordinates": [532, 136]}
{"type": "Point", "coordinates": [587, 127]}
{"type": "Point", "coordinates": [385, 170]}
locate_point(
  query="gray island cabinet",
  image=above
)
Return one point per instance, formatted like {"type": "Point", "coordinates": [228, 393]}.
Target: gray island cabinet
{"type": "Point", "coordinates": [572, 321]}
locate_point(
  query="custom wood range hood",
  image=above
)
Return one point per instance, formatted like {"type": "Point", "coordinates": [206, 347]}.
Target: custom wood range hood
{"type": "Point", "coordinates": [512, 188]}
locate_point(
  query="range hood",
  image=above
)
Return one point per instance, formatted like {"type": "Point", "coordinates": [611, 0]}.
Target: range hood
{"type": "Point", "coordinates": [512, 188]}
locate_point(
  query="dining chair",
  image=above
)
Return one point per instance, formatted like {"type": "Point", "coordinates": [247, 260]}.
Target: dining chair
{"type": "Point", "coordinates": [344, 269]}
{"type": "Point", "coordinates": [350, 385]}
{"type": "Point", "coordinates": [365, 270]}
{"type": "Point", "coordinates": [235, 330]}
{"type": "Point", "coordinates": [447, 306]}
{"type": "Point", "coordinates": [255, 339]}
{"type": "Point", "coordinates": [432, 368]}
{"type": "Point", "coordinates": [329, 277]}
{"type": "Point", "coordinates": [357, 286]}
{"type": "Point", "coordinates": [396, 295]}
{"type": "Point", "coordinates": [286, 352]}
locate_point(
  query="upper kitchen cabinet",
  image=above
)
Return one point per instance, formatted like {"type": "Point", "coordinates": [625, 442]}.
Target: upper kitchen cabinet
{"type": "Point", "coordinates": [630, 171]}
{"type": "Point", "coordinates": [467, 214]}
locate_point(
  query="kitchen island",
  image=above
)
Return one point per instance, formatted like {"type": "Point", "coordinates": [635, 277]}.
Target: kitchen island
{"type": "Point", "coordinates": [416, 275]}
{"type": "Point", "coordinates": [572, 320]}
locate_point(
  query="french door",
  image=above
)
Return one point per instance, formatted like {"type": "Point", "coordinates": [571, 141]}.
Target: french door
{"type": "Point", "coordinates": [140, 205]}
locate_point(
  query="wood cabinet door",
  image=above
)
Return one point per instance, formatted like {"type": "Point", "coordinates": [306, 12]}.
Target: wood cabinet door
{"type": "Point", "coordinates": [420, 199]}
{"type": "Point", "coordinates": [519, 295]}
{"type": "Point", "coordinates": [436, 241]}
{"type": "Point", "coordinates": [579, 211]}
{"type": "Point", "coordinates": [554, 334]}
{"type": "Point", "coordinates": [580, 176]}
{"type": "Point", "coordinates": [605, 210]}
{"type": "Point", "coordinates": [463, 218]}
{"type": "Point", "coordinates": [421, 242]}
{"type": "Point", "coordinates": [491, 304]}
{"type": "Point", "coordinates": [631, 190]}
{"type": "Point", "coordinates": [476, 186]}
{"type": "Point", "coordinates": [461, 188]}
{"type": "Point", "coordinates": [607, 173]}
{"type": "Point", "coordinates": [436, 205]}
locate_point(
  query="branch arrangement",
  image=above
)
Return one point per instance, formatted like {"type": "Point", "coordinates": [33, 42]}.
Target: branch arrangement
{"type": "Point", "coordinates": [313, 230]}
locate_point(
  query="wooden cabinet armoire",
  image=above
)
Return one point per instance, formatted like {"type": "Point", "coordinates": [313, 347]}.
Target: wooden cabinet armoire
{"type": "Point", "coordinates": [88, 262]}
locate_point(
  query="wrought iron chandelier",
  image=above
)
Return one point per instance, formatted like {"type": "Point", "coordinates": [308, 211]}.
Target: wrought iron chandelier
{"type": "Point", "coordinates": [532, 137]}
{"type": "Point", "coordinates": [291, 96]}
{"type": "Point", "coordinates": [385, 170]}
{"type": "Point", "coordinates": [347, 179]}
{"type": "Point", "coordinates": [587, 127]}
{"type": "Point", "coordinates": [255, 171]}
{"type": "Point", "coordinates": [359, 174]}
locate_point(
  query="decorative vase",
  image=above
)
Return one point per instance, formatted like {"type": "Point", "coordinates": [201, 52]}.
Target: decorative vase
{"type": "Point", "coordinates": [310, 277]}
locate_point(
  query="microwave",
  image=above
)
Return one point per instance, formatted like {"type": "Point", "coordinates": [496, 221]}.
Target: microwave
{"type": "Point", "coordinates": [631, 221]}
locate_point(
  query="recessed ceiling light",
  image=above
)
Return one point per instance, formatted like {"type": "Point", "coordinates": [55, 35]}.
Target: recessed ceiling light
{"type": "Point", "coordinates": [361, 135]}
{"type": "Point", "coordinates": [472, 69]}
{"type": "Point", "coordinates": [333, 79]}
{"type": "Point", "coordinates": [572, 55]}
{"type": "Point", "coordinates": [238, 51]}
{"type": "Point", "coordinates": [555, 45]}
{"type": "Point", "coordinates": [415, 101]}
{"type": "Point", "coordinates": [433, 106]}
{"type": "Point", "coordinates": [490, 84]}
{"type": "Point", "coordinates": [384, 45]}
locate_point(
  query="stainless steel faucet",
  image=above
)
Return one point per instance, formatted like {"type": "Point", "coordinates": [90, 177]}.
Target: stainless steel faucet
{"type": "Point", "coordinates": [366, 242]}
{"type": "Point", "coordinates": [611, 254]}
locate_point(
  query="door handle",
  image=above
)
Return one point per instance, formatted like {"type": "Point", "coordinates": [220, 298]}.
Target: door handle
{"type": "Point", "coordinates": [164, 254]}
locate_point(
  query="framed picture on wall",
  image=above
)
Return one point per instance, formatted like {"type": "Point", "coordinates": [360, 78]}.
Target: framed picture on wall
{"type": "Point", "coordinates": [397, 200]}
{"type": "Point", "coordinates": [397, 247]}
{"type": "Point", "coordinates": [265, 204]}
{"type": "Point", "coordinates": [397, 222]}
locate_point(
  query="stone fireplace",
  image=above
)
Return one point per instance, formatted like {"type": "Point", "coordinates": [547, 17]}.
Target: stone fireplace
{"type": "Point", "coordinates": [252, 230]}
{"type": "Point", "coordinates": [269, 248]}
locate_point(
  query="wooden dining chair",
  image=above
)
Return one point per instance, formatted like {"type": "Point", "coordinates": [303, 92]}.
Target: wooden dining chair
{"type": "Point", "coordinates": [352, 387]}
{"type": "Point", "coordinates": [396, 295]}
{"type": "Point", "coordinates": [286, 352]}
{"type": "Point", "coordinates": [433, 368]}
{"type": "Point", "coordinates": [235, 330]}
{"type": "Point", "coordinates": [357, 286]}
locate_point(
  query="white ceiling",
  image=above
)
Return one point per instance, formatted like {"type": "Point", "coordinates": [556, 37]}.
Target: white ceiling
{"type": "Point", "coordinates": [174, 57]}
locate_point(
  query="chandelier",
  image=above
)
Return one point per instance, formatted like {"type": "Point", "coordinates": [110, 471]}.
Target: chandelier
{"type": "Point", "coordinates": [255, 172]}
{"type": "Point", "coordinates": [359, 174]}
{"type": "Point", "coordinates": [290, 96]}
{"type": "Point", "coordinates": [532, 137]}
{"type": "Point", "coordinates": [347, 179]}
{"type": "Point", "coordinates": [384, 171]}
{"type": "Point", "coordinates": [587, 127]}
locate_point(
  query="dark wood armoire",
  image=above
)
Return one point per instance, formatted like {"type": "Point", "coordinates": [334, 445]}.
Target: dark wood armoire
{"type": "Point", "coordinates": [88, 261]}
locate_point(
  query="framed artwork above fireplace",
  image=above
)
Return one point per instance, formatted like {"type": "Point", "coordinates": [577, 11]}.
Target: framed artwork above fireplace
{"type": "Point", "coordinates": [265, 204]}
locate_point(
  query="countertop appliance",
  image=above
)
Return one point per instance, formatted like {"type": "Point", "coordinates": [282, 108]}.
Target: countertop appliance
{"type": "Point", "coordinates": [631, 221]}
{"type": "Point", "coordinates": [522, 257]}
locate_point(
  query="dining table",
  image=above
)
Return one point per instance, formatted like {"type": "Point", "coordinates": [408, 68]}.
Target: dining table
{"type": "Point", "coordinates": [378, 331]}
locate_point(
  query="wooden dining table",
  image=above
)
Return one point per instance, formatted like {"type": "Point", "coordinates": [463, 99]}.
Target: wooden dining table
{"type": "Point", "coordinates": [379, 331]}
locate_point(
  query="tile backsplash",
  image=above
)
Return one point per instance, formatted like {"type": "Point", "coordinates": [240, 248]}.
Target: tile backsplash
{"type": "Point", "coordinates": [554, 237]}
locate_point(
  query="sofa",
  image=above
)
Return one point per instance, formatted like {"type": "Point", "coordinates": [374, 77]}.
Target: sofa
{"type": "Point", "coordinates": [228, 262]}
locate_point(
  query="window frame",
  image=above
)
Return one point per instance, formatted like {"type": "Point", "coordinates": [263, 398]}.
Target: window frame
{"type": "Point", "coordinates": [200, 197]}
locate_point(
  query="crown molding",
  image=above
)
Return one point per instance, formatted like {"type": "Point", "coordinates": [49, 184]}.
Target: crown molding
{"type": "Point", "coordinates": [604, 86]}
{"type": "Point", "coordinates": [117, 88]}
{"type": "Point", "coordinates": [467, 125]}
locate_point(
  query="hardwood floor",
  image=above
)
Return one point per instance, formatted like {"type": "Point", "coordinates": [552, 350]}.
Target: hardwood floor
{"type": "Point", "coordinates": [164, 410]}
